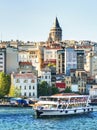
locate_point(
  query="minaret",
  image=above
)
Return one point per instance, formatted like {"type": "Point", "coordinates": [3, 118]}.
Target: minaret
{"type": "Point", "coordinates": [55, 32]}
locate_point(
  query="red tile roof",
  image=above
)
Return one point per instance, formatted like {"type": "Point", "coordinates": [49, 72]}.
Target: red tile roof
{"type": "Point", "coordinates": [24, 75]}
{"type": "Point", "coordinates": [50, 61]}
{"type": "Point", "coordinates": [60, 85]}
{"type": "Point", "coordinates": [25, 63]}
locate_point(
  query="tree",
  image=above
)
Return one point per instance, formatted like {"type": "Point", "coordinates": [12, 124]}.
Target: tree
{"type": "Point", "coordinates": [5, 82]}
{"type": "Point", "coordinates": [45, 90]}
{"type": "Point", "coordinates": [42, 88]}
{"type": "Point", "coordinates": [67, 90]}
{"type": "Point", "coordinates": [55, 90]}
{"type": "Point", "coordinates": [17, 92]}
{"type": "Point", "coordinates": [14, 91]}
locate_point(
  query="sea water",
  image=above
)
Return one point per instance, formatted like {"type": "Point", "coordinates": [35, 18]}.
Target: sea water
{"type": "Point", "coordinates": [23, 119]}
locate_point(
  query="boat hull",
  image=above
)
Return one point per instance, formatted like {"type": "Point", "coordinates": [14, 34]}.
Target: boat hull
{"type": "Point", "coordinates": [62, 112]}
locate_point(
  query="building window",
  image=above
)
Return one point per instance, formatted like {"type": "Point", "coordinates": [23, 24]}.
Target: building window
{"type": "Point", "coordinates": [33, 94]}
{"type": "Point", "coordinates": [17, 81]}
{"type": "Point", "coordinates": [45, 77]}
{"type": "Point", "coordinates": [20, 87]}
{"type": "Point", "coordinates": [25, 94]}
{"type": "Point", "coordinates": [30, 94]}
{"type": "Point", "coordinates": [24, 87]}
{"type": "Point", "coordinates": [29, 87]}
{"type": "Point", "coordinates": [25, 81]}
{"type": "Point", "coordinates": [33, 87]}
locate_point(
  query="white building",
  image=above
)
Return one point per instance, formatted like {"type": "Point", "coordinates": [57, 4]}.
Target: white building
{"type": "Point", "coordinates": [31, 53]}
{"type": "Point", "coordinates": [91, 63]}
{"type": "Point", "coordinates": [93, 91]}
{"type": "Point", "coordinates": [26, 82]}
{"type": "Point", "coordinates": [46, 76]}
{"type": "Point", "coordinates": [50, 54]}
{"type": "Point", "coordinates": [74, 87]}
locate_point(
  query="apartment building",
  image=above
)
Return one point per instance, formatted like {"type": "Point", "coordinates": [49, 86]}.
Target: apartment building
{"type": "Point", "coordinates": [26, 83]}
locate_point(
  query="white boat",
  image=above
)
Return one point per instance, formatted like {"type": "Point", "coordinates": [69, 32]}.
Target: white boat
{"type": "Point", "coordinates": [62, 105]}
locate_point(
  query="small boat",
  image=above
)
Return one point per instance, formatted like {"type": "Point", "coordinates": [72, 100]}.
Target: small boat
{"type": "Point", "coordinates": [62, 105]}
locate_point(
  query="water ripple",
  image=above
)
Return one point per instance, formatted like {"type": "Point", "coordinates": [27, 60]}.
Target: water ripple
{"type": "Point", "coordinates": [23, 119]}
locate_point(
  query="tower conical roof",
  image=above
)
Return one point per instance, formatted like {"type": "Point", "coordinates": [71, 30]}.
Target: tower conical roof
{"type": "Point", "coordinates": [56, 23]}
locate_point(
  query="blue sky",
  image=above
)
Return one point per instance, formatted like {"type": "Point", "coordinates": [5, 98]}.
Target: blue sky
{"type": "Point", "coordinates": [31, 20]}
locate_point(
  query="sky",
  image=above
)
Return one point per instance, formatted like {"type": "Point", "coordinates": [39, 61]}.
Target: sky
{"type": "Point", "coordinates": [31, 20]}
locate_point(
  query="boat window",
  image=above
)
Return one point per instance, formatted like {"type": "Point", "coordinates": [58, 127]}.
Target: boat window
{"type": "Point", "coordinates": [59, 106]}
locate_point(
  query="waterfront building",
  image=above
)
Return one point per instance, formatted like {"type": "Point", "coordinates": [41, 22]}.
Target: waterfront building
{"type": "Point", "coordinates": [93, 91]}
{"type": "Point", "coordinates": [46, 76]}
{"type": "Point", "coordinates": [60, 61]}
{"type": "Point", "coordinates": [26, 83]}
{"type": "Point", "coordinates": [50, 55]}
{"type": "Point", "coordinates": [80, 59]}
{"type": "Point", "coordinates": [61, 86]}
{"type": "Point", "coordinates": [70, 60]}
{"type": "Point", "coordinates": [31, 53]}
{"type": "Point", "coordinates": [91, 63]}
{"type": "Point", "coordinates": [3, 59]}
{"type": "Point", "coordinates": [25, 67]}
{"type": "Point", "coordinates": [86, 48]}
{"type": "Point", "coordinates": [55, 32]}
{"type": "Point", "coordinates": [68, 81]}
{"type": "Point", "coordinates": [23, 56]}
{"type": "Point", "coordinates": [95, 47]}
{"type": "Point", "coordinates": [11, 59]}
{"type": "Point", "coordinates": [81, 77]}
{"type": "Point", "coordinates": [74, 87]}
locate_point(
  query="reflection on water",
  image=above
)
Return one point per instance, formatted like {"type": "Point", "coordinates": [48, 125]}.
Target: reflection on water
{"type": "Point", "coordinates": [23, 119]}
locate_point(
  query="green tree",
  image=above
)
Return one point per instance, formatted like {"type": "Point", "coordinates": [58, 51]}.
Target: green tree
{"type": "Point", "coordinates": [55, 90]}
{"type": "Point", "coordinates": [67, 90]}
{"type": "Point", "coordinates": [42, 89]}
{"type": "Point", "coordinates": [45, 90]}
{"type": "Point", "coordinates": [17, 92]}
{"type": "Point", "coordinates": [14, 91]}
{"type": "Point", "coordinates": [5, 82]}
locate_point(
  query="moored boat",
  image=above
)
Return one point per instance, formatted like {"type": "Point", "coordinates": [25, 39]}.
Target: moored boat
{"type": "Point", "coordinates": [62, 105]}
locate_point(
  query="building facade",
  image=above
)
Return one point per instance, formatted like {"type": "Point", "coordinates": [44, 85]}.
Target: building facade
{"type": "Point", "coordinates": [26, 83]}
{"type": "Point", "coordinates": [46, 76]}
{"type": "Point", "coordinates": [60, 62]}
{"type": "Point", "coordinates": [70, 60]}
{"type": "Point", "coordinates": [11, 59]}
{"type": "Point", "coordinates": [3, 59]}
{"type": "Point", "coordinates": [91, 63]}
{"type": "Point", "coordinates": [80, 59]}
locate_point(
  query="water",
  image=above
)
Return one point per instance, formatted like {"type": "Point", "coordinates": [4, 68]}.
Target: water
{"type": "Point", "coordinates": [23, 119]}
